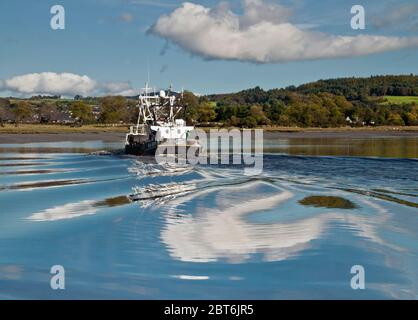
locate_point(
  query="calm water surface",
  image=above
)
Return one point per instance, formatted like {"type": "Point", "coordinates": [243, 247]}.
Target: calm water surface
{"type": "Point", "coordinates": [319, 207]}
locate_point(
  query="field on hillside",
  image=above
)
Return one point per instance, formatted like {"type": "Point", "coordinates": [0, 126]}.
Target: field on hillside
{"type": "Point", "coordinates": [400, 99]}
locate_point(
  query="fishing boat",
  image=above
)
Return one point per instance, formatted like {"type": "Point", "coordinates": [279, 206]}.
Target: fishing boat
{"type": "Point", "coordinates": [159, 124]}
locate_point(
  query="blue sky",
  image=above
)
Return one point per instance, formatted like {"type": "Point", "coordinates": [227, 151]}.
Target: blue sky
{"type": "Point", "coordinates": [107, 41]}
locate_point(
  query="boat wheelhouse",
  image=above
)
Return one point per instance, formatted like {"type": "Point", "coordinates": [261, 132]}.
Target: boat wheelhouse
{"type": "Point", "coordinates": [158, 123]}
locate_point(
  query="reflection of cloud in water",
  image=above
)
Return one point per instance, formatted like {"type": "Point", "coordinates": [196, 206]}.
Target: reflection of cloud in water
{"type": "Point", "coordinates": [224, 232]}
{"type": "Point", "coordinates": [10, 272]}
{"type": "Point", "coordinates": [77, 209]}
{"type": "Point", "coordinates": [217, 233]}
{"type": "Point", "coordinates": [67, 211]}
{"type": "Point", "coordinates": [189, 277]}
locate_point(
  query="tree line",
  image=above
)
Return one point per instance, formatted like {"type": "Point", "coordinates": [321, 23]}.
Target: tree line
{"type": "Point", "coordinates": [257, 107]}
{"type": "Point", "coordinates": [362, 88]}
{"type": "Point", "coordinates": [325, 103]}
{"type": "Point", "coordinates": [106, 110]}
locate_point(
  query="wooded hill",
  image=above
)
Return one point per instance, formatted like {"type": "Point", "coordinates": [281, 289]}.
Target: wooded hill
{"type": "Point", "coordinates": [325, 103]}
{"type": "Point", "coordinates": [356, 88]}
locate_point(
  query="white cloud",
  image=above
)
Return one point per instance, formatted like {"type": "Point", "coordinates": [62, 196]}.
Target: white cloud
{"type": "Point", "coordinates": [50, 83]}
{"type": "Point", "coordinates": [262, 34]}
{"type": "Point", "coordinates": [66, 84]}
{"type": "Point", "coordinates": [118, 88]}
{"type": "Point", "coordinates": [256, 11]}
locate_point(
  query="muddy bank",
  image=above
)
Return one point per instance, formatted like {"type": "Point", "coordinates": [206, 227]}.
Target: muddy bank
{"type": "Point", "coordinates": [349, 134]}
{"type": "Point", "coordinates": [59, 137]}
{"type": "Point", "coordinates": [120, 137]}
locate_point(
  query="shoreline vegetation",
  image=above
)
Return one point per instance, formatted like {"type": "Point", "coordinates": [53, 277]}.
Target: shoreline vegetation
{"type": "Point", "coordinates": [98, 129]}
{"type": "Point", "coordinates": [388, 103]}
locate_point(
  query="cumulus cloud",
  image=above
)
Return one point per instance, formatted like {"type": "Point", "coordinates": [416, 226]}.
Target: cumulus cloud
{"type": "Point", "coordinates": [51, 83]}
{"type": "Point", "coordinates": [118, 88]}
{"type": "Point", "coordinates": [66, 84]}
{"type": "Point", "coordinates": [262, 34]}
{"type": "Point", "coordinates": [256, 11]}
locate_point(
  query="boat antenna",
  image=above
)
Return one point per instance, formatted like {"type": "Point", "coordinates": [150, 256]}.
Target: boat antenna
{"type": "Point", "coordinates": [184, 104]}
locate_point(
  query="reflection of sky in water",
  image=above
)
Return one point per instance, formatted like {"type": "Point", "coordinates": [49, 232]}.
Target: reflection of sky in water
{"type": "Point", "coordinates": [205, 232]}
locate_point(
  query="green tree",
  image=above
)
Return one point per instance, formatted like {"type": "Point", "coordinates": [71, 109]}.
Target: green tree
{"type": "Point", "coordinates": [274, 109]}
{"type": "Point", "coordinates": [336, 117]}
{"type": "Point", "coordinates": [82, 112]}
{"type": "Point", "coordinates": [249, 122]}
{"type": "Point", "coordinates": [114, 110]}
{"type": "Point", "coordinates": [395, 119]}
{"type": "Point", "coordinates": [22, 111]}
{"type": "Point", "coordinates": [191, 104]}
{"type": "Point", "coordinates": [410, 119]}
{"type": "Point", "coordinates": [258, 114]}
{"type": "Point", "coordinates": [235, 121]}
{"type": "Point", "coordinates": [206, 112]}
{"type": "Point", "coordinates": [131, 111]}
{"type": "Point", "coordinates": [285, 121]}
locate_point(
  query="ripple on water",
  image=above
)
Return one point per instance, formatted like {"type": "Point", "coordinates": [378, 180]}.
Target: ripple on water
{"type": "Point", "coordinates": [207, 223]}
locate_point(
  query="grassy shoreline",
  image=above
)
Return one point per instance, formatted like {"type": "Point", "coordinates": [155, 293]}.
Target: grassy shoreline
{"type": "Point", "coordinates": [60, 129]}
{"type": "Point", "coordinates": [46, 133]}
{"type": "Point", "coordinates": [333, 129]}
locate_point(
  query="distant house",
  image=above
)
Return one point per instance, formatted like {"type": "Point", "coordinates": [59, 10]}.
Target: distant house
{"type": "Point", "coordinates": [96, 112]}
{"type": "Point", "coordinates": [65, 118]}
